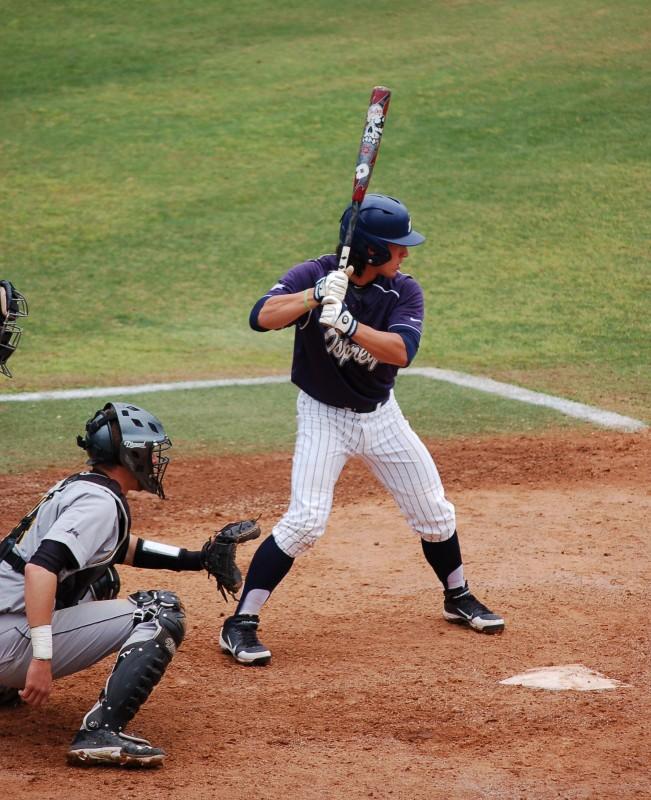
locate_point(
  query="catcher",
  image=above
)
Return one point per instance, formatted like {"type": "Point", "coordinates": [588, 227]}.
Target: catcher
{"type": "Point", "coordinates": [59, 611]}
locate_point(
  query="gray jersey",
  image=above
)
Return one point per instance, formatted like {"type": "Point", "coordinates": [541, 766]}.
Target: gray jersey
{"type": "Point", "coordinates": [82, 515]}
{"type": "Point", "coordinates": [90, 516]}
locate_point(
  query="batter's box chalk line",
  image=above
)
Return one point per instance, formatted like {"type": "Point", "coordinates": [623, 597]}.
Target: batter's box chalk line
{"type": "Point", "coordinates": [571, 676]}
{"type": "Point", "coordinates": [597, 416]}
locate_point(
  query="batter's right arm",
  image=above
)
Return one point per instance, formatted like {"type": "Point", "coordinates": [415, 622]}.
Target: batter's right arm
{"type": "Point", "coordinates": [281, 310]}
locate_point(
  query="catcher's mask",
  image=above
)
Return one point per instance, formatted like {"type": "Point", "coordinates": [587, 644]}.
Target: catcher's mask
{"type": "Point", "coordinates": [382, 220]}
{"type": "Point", "coordinates": [12, 306]}
{"type": "Point", "coordinates": [124, 434]}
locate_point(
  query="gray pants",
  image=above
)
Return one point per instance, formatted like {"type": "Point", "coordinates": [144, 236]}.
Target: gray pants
{"type": "Point", "coordinates": [81, 636]}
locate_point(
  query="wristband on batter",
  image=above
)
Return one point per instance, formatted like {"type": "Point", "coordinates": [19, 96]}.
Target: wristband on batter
{"type": "Point", "coordinates": [305, 301]}
{"type": "Point", "coordinates": [42, 642]}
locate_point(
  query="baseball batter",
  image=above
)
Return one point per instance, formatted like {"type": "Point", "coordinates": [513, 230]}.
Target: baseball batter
{"type": "Point", "coordinates": [58, 581]}
{"type": "Point", "coordinates": [352, 334]}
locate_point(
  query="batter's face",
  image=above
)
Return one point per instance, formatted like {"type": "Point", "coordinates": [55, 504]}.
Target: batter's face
{"type": "Point", "coordinates": [388, 270]}
{"type": "Point", "coordinates": [398, 254]}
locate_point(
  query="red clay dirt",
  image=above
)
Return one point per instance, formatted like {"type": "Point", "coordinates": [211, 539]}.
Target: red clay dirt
{"type": "Point", "coordinates": [371, 694]}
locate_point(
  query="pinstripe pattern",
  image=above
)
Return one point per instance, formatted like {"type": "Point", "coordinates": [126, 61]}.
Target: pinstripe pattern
{"type": "Point", "coordinates": [327, 437]}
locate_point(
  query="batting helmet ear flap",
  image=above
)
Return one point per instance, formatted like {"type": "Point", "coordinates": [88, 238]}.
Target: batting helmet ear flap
{"type": "Point", "coordinates": [377, 258]}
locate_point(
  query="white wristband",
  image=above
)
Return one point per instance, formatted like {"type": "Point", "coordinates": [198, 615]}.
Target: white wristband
{"type": "Point", "coordinates": [42, 642]}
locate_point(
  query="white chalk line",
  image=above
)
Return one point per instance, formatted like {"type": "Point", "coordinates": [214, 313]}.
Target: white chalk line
{"type": "Point", "coordinates": [145, 388]}
{"type": "Point", "coordinates": [597, 416]}
{"type": "Point", "coordinates": [605, 419]}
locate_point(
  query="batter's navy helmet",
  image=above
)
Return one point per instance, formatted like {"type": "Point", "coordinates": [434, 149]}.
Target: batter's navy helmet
{"type": "Point", "coordinates": [124, 434]}
{"type": "Point", "coordinates": [382, 220]}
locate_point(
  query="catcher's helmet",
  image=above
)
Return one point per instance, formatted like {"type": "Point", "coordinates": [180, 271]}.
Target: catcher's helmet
{"type": "Point", "coordinates": [382, 220]}
{"type": "Point", "coordinates": [124, 434]}
{"type": "Point", "coordinates": [12, 306]}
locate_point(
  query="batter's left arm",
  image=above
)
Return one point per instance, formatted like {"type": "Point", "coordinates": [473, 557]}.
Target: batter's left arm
{"type": "Point", "coordinates": [389, 348]}
{"type": "Point", "coordinates": [398, 343]}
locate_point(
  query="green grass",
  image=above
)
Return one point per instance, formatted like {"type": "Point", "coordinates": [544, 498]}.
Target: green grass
{"type": "Point", "coordinates": [164, 163]}
{"type": "Point", "coordinates": [250, 419]}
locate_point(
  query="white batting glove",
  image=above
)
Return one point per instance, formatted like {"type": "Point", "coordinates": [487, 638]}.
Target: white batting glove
{"type": "Point", "coordinates": [336, 315]}
{"type": "Point", "coordinates": [333, 286]}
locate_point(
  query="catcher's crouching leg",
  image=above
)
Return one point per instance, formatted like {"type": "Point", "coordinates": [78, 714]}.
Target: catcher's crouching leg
{"type": "Point", "coordinates": [159, 628]}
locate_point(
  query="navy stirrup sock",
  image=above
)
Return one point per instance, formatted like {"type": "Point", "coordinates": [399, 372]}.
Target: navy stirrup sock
{"type": "Point", "coordinates": [268, 567]}
{"type": "Point", "coordinates": [443, 557]}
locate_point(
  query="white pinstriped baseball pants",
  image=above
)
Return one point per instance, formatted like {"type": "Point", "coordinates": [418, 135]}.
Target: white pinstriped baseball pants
{"type": "Point", "coordinates": [326, 438]}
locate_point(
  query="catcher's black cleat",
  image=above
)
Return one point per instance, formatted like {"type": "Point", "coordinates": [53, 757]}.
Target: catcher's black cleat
{"type": "Point", "coordinates": [9, 697]}
{"type": "Point", "coordinates": [103, 747]}
{"type": "Point", "coordinates": [461, 607]}
{"type": "Point", "coordinates": [239, 638]}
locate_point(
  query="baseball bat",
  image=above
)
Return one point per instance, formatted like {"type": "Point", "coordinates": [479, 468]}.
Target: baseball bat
{"type": "Point", "coordinates": [369, 146]}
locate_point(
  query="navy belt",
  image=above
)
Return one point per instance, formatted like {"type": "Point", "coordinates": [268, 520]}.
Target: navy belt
{"type": "Point", "coordinates": [367, 409]}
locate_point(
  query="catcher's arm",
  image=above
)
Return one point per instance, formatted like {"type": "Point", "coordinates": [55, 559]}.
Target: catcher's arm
{"type": "Point", "coordinates": [40, 591]}
{"type": "Point", "coordinates": [147, 554]}
{"type": "Point", "coordinates": [217, 556]}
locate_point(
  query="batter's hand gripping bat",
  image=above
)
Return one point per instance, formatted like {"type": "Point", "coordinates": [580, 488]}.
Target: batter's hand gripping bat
{"type": "Point", "coordinates": [368, 150]}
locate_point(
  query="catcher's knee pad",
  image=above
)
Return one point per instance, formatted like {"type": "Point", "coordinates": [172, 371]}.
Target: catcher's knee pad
{"type": "Point", "coordinates": [139, 667]}
{"type": "Point", "coordinates": [107, 586]}
{"type": "Point", "coordinates": [163, 607]}
{"type": "Point", "coordinates": [141, 664]}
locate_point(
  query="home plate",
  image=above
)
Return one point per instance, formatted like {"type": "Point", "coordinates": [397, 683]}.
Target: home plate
{"type": "Point", "coordinates": [571, 676]}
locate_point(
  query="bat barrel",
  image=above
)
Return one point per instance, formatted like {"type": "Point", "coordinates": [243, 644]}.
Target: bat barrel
{"type": "Point", "coordinates": [367, 154]}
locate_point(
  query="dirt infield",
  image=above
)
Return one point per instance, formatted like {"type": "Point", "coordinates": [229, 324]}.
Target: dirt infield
{"type": "Point", "coordinates": [371, 694]}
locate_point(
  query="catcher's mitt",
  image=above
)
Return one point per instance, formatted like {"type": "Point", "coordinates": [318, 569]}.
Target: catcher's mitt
{"type": "Point", "coordinates": [218, 554]}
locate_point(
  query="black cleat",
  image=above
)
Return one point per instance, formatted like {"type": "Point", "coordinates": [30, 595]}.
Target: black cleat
{"type": "Point", "coordinates": [462, 608]}
{"type": "Point", "coordinates": [105, 747]}
{"type": "Point", "coordinates": [239, 637]}
{"type": "Point", "coordinates": [9, 697]}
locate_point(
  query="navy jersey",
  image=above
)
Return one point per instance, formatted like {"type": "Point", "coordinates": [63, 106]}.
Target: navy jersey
{"type": "Point", "coordinates": [333, 369]}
